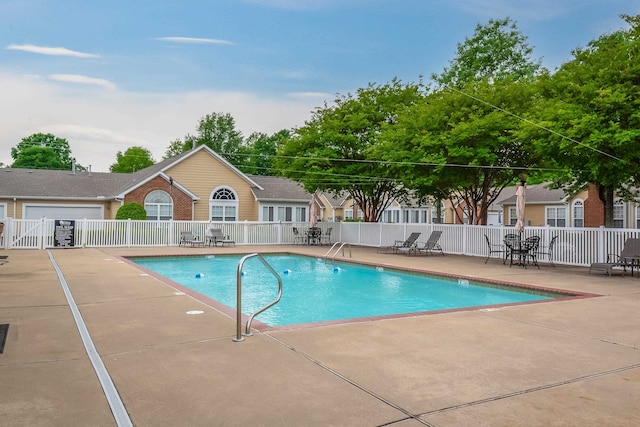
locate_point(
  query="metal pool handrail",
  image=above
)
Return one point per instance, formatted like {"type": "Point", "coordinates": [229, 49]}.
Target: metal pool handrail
{"type": "Point", "coordinates": [335, 254]}
{"type": "Point", "coordinates": [239, 336]}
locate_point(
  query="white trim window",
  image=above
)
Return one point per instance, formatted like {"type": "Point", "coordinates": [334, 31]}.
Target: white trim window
{"type": "Point", "coordinates": [223, 205]}
{"type": "Point", "coordinates": [159, 206]}
{"type": "Point", "coordinates": [638, 216]}
{"type": "Point", "coordinates": [556, 216]}
{"type": "Point", "coordinates": [3, 210]}
{"type": "Point", "coordinates": [513, 216]}
{"type": "Point", "coordinates": [348, 214]}
{"type": "Point", "coordinates": [275, 213]}
{"type": "Point", "coordinates": [577, 207]}
{"type": "Point", "coordinates": [416, 216]}
{"type": "Point", "coordinates": [618, 213]}
{"type": "Point", "coordinates": [391, 215]}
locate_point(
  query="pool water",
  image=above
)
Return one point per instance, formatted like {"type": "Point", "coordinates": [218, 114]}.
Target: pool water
{"type": "Point", "coordinates": [315, 290]}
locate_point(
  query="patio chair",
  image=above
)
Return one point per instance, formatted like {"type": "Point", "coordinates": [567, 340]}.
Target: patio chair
{"type": "Point", "coordinates": [326, 236]}
{"type": "Point", "coordinates": [215, 236]}
{"type": "Point", "coordinates": [426, 247]}
{"type": "Point", "coordinates": [431, 244]}
{"type": "Point", "coordinates": [399, 244]}
{"type": "Point", "coordinates": [187, 238]}
{"type": "Point", "coordinates": [629, 257]}
{"type": "Point", "coordinates": [548, 251]}
{"type": "Point", "coordinates": [297, 237]}
{"type": "Point", "coordinates": [495, 248]}
{"type": "Point", "coordinates": [4, 259]}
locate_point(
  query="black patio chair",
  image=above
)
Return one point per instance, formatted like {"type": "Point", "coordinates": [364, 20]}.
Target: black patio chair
{"type": "Point", "coordinates": [495, 248]}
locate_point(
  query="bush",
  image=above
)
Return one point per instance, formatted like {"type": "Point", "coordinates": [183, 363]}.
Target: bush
{"type": "Point", "coordinates": [131, 210]}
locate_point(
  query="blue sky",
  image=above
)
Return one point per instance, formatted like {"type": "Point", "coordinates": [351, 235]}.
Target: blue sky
{"type": "Point", "coordinates": [107, 75]}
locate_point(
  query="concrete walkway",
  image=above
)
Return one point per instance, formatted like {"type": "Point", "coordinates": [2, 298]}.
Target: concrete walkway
{"type": "Point", "coordinates": [565, 363]}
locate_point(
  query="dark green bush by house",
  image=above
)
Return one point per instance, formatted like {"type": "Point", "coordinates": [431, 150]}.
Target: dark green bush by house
{"type": "Point", "coordinates": [131, 210]}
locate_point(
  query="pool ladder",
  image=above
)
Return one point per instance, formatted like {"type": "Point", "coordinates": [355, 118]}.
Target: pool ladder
{"type": "Point", "coordinates": [335, 253]}
{"type": "Point", "coordinates": [239, 335]}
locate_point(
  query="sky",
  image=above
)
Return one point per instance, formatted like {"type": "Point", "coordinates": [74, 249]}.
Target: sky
{"type": "Point", "coordinates": [109, 75]}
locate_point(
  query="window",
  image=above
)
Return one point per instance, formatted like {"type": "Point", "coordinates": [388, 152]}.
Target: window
{"type": "Point", "coordinates": [578, 213]}
{"type": "Point", "coordinates": [637, 216]}
{"type": "Point", "coordinates": [434, 214]}
{"type": "Point", "coordinates": [416, 216]}
{"type": "Point", "coordinates": [513, 216]}
{"type": "Point", "coordinates": [391, 215]}
{"type": "Point", "coordinates": [159, 206]}
{"type": "Point", "coordinates": [556, 216]}
{"type": "Point", "coordinates": [348, 214]}
{"type": "Point", "coordinates": [618, 214]}
{"type": "Point", "coordinates": [284, 213]}
{"type": "Point", "coordinates": [223, 206]}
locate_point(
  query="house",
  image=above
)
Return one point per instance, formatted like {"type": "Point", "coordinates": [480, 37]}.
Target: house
{"type": "Point", "coordinates": [554, 208]}
{"type": "Point", "coordinates": [196, 185]}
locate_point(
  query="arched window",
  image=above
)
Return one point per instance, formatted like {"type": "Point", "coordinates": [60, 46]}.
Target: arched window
{"type": "Point", "coordinates": [159, 206]}
{"type": "Point", "coordinates": [223, 205]}
{"type": "Point", "coordinates": [578, 213]}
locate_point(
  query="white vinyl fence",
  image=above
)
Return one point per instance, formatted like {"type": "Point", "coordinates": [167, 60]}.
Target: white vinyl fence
{"type": "Point", "coordinates": [574, 246]}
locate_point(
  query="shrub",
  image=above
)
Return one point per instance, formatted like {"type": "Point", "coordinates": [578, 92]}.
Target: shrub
{"type": "Point", "coordinates": [131, 210]}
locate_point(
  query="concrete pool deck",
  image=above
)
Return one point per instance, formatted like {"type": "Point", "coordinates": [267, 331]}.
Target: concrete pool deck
{"type": "Point", "coordinates": [565, 363]}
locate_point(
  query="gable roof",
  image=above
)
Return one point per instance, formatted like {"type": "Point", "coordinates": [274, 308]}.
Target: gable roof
{"type": "Point", "coordinates": [60, 184]}
{"type": "Point", "coordinates": [273, 188]}
{"type": "Point", "coordinates": [537, 194]}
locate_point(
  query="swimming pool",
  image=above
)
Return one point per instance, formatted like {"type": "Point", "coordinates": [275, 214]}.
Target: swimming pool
{"type": "Point", "coordinates": [315, 290]}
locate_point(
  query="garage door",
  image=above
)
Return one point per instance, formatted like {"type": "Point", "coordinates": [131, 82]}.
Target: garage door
{"type": "Point", "coordinates": [63, 211]}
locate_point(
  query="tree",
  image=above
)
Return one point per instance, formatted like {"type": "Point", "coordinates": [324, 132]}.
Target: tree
{"type": "Point", "coordinates": [453, 147]}
{"type": "Point", "coordinates": [38, 157]}
{"type": "Point", "coordinates": [133, 159]}
{"type": "Point", "coordinates": [217, 131]}
{"type": "Point", "coordinates": [460, 142]}
{"type": "Point", "coordinates": [42, 151]}
{"type": "Point", "coordinates": [260, 150]}
{"type": "Point", "coordinates": [335, 150]}
{"type": "Point", "coordinates": [497, 50]}
{"type": "Point", "coordinates": [131, 210]}
{"type": "Point", "coordinates": [591, 107]}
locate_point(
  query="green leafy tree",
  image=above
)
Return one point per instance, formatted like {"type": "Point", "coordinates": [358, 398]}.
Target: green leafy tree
{"type": "Point", "coordinates": [38, 157]}
{"type": "Point", "coordinates": [496, 51]}
{"type": "Point", "coordinates": [176, 147]}
{"type": "Point", "coordinates": [335, 150]}
{"type": "Point", "coordinates": [260, 152]}
{"type": "Point", "coordinates": [217, 131]}
{"type": "Point", "coordinates": [453, 147]}
{"type": "Point", "coordinates": [460, 143]}
{"type": "Point", "coordinates": [42, 151]}
{"type": "Point", "coordinates": [131, 210]}
{"type": "Point", "coordinates": [589, 121]}
{"type": "Point", "coordinates": [132, 160]}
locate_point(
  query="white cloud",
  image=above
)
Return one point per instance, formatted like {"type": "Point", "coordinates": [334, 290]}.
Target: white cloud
{"type": "Point", "coordinates": [84, 80]}
{"type": "Point", "coordinates": [99, 123]}
{"type": "Point", "coordinates": [193, 40]}
{"type": "Point", "coordinates": [55, 51]}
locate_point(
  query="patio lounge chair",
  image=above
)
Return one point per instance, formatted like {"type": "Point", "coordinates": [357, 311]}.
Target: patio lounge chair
{"type": "Point", "coordinates": [629, 257]}
{"type": "Point", "coordinates": [430, 245]}
{"type": "Point", "coordinates": [399, 244]}
{"type": "Point", "coordinates": [187, 238]}
{"type": "Point", "coordinates": [495, 248]}
{"type": "Point", "coordinates": [215, 237]}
